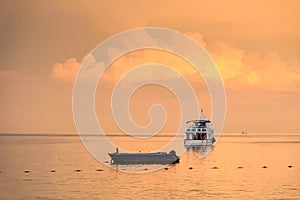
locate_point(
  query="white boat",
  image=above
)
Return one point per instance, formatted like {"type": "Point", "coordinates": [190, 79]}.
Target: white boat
{"type": "Point", "coordinates": [200, 133]}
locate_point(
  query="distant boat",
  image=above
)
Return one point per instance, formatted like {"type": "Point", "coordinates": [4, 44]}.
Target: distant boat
{"type": "Point", "coordinates": [144, 158]}
{"type": "Point", "coordinates": [200, 133]}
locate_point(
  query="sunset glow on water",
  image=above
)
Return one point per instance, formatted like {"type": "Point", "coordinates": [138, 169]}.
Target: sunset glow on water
{"type": "Point", "coordinates": [81, 79]}
{"type": "Point", "coordinates": [232, 170]}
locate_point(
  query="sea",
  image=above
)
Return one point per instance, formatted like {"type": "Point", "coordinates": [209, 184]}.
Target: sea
{"type": "Point", "coordinates": [53, 166]}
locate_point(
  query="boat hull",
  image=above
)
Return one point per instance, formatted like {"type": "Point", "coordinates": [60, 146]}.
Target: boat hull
{"type": "Point", "coordinates": [143, 158]}
{"type": "Point", "coordinates": [198, 142]}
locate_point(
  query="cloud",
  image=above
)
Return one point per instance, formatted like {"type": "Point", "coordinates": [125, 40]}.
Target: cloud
{"type": "Point", "coordinates": [65, 71]}
{"type": "Point", "coordinates": [198, 37]}
{"type": "Point", "coordinates": [238, 67]}
{"type": "Point", "coordinates": [252, 78]}
{"type": "Point", "coordinates": [278, 74]}
{"type": "Point", "coordinates": [228, 59]}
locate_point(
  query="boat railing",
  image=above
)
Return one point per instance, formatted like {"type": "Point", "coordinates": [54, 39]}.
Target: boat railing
{"type": "Point", "coordinates": [196, 129]}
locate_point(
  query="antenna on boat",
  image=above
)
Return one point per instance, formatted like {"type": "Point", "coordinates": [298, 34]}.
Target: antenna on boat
{"type": "Point", "coordinates": [202, 114]}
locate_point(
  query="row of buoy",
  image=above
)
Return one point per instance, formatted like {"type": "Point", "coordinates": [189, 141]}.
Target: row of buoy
{"type": "Point", "coordinates": [54, 170]}
{"type": "Point", "coordinates": [97, 170]}
{"type": "Point", "coordinates": [289, 166]}
{"type": "Point", "coordinates": [166, 168]}
{"type": "Point", "coordinates": [239, 167]}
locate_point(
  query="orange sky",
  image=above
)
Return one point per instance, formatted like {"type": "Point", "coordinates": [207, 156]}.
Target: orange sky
{"type": "Point", "coordinates": [254, 44]}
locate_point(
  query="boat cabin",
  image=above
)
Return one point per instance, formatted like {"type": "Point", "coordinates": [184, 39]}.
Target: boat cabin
{"type": "Point", "coordinates": [200, 132]}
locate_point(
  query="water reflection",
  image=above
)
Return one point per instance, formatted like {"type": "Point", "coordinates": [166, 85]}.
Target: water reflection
{"type": "Point", "coordinates": [232, 170]}
{"type": "Point", "coordinates": [203, 150]}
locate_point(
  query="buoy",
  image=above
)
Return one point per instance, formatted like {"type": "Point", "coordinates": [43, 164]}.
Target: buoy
{"type": "Point", "coordinates": [190, 167]}
{"type": "Point", "coordinates": [240, 167]}
{"type": "Point", "coordinates": [215, 168]}
{"type": "Point", "coordinates": [77, 170]}
{"type": "Point", "coordinates": [166, 168]}
{"type": "Point", "coordinates": [26, 171]}
{"type": "Point", "coordinates": [145, 169]}
{"type": "Point", "coordinates": [53, 170]}
{"type": "Point", "coordinates": [264, 166]}
{"type": "Point", "coordinates": [290, 166]}
{"type": "Point", "coordinates": [99, 170]}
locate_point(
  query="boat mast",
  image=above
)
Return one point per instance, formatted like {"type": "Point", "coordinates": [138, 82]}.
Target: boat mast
{"type": "Point", "coordinates": [202, 114]}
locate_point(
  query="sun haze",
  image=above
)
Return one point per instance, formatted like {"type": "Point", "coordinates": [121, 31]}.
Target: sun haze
{"type": "Point", "coordinates": [254, 44]}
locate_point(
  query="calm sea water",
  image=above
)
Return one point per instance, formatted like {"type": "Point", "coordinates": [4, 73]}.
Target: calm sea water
{"type": "Point", "coordinates": [232, 170]}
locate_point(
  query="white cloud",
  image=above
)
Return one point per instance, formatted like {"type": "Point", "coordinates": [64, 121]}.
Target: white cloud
{"type": "Point", "coordinates": [238, 67]}
{"type": "Point", "coordinates": [65, 71]}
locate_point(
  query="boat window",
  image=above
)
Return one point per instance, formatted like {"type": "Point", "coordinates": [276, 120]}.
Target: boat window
{"type": "Point", "coordinates": [188, 129]}
{"type": "Point", "coordinates": [199, 129]}
{"type": "Point", "coordinates": [204, 129]}
{"type": "Point", "coordinates": [193, 129]}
